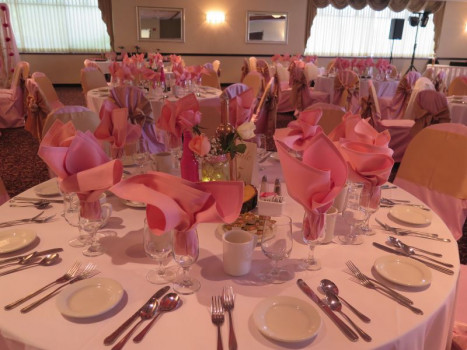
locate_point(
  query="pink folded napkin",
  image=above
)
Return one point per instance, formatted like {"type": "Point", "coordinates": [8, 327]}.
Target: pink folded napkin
{"type": "Point", "coordinates": [178, 117]}
{"type": "Point", "coordinates": [79, 161]}
{"type": "Point", "coordinates": [314, 181]}
{"type": "Point", "coordinates": [116, 128]}
{"type": "Point", "coordinates": [174, 203]}
{"type": "Point", "coordinates": [299, 133]}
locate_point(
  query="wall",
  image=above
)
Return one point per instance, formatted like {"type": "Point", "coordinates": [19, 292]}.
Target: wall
{"type": "Point", "coordinates": [230, 38]}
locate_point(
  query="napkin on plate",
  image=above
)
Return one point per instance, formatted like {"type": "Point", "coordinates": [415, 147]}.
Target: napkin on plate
{"type": "Point", "coordinates": [174, 203]}
{"type": "Point", "coordinates": [315, 180]}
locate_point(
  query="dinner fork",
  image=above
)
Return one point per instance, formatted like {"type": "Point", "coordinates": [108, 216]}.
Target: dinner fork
{"type": "Point", "coordinates": [71, 273]}
{"type": "Point", "coordinates": [228, 301]}
{"type": "Point", "coordinates": [403, 232]}
{"type": "Point", "coordinates": [7, 223]}
{"type": "Point", "coordinates": [88, 272]}
{"type": "Point", "coordinates": [217, 318]}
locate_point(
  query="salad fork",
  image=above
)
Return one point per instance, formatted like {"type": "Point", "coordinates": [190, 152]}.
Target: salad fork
{"type": "Point", "coordinates": [217, 318]}
{"type": "Point", "coordinates": [12, 222]}
{"type": "Point", "coordinates": [70, 274]}
{"type": "Point", "coordinates": [228, 300]}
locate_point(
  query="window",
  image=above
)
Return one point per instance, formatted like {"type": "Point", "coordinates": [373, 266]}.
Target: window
{"type": "Point", "coordinates": [350, 32]}
{"type": "Point", "coordinates": [65, 26]}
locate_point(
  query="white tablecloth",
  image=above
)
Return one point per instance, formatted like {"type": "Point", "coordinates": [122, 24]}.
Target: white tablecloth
{"type": "Point", "coordinates": [392, 327]}
{"type": "Point", "coordinates": [384, 88]}
{"type": "Point", "coordinates": [458, 110]}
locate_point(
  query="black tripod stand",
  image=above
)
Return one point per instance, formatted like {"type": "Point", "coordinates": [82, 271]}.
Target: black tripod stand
{"type": "Point", "coordinates": [412, 67]}
{"type": "Point", "coordinates": [415, 21]}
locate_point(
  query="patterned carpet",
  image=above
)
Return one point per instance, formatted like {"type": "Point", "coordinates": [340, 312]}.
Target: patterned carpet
{"type": "Point", "coordinates": [21, 168]}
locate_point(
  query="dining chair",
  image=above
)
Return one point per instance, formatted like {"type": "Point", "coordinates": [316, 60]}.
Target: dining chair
{"type": "Point", "coordinates": [92, 78]}
{"type": "Point", "coordinates": [431, 107]}
{"type": "Point", "coordinates": [210, 78]}
{"type": "Point", "coordinates": [263, 67]}
{"type": "Point", "coordinates": [458, 86]}
{"type": "Point", "coordinates": [330, 66]}
{"type": "Point", "coordinates": [233, 90]}
{"type": "Point", "coordinates": [82, 118]}
{"type": "Point", "coordinates": [283, 75]}
{"type": "Point", "coordinates": [331, 116]}
{"type": "Point", "coordinates": [422, 83]}
{"type": "Point", "coordinates": [346, 90]}
{"type": "Point", "coordinates": [90, 64]}
{"type": "Point", "coordinates": [255, 81]}
{"type": "Point", "coordinates": [252, 64]}
{"type": "Point", "coordinates": [4, 197]}
{"type": "Point", "coordinates": [265, 116]}
{"type": "Point", "coordinates": [393, 71]}
{"type": "Point", "coordinates": [245, 69]}
{"type": "Point", "coordinates": [433, 169]}
{"type": "Point", "coordinates": [311, 72]}
{"type": "Point", "coordinates": [241, 107]}
{"type": "Point", "coordinates": [216, 66]}
{"type": "Point", "coordinates": [12, 99]}
{"type": "Point", "coordinates": [428, 73]}
{"type": "Point", "coordinates": [394, 107]}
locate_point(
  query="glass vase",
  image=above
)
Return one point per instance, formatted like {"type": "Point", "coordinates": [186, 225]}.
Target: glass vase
{"type": "Point", "coordinates": [215, 168]}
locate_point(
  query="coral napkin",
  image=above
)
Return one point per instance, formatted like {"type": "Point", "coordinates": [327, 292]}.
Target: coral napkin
{"type": "Point", "coordinates": [299, 133]}
{"type": "Point", "coordinates": [173, 203]}
{"type": "Point", "coordinates": [79, 161]}
{"type": "Point", "coordinates": [115, 127]}
{"type": "Point", "coordinates": [314, 181]}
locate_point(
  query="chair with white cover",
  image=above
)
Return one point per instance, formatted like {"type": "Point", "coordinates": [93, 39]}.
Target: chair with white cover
{"type": "Point", "coordinates": [12, 99]}
{"type": "Point", "coordinates": [331, 117]}
{"type": "Point", "coordinates": [216, 66]}
{"type": "Point", "coordinates": [431, 107]}
{"type": "Point", "coordinates": [265, 116]}
{"type": "Point", "coordinates": [433, 169]}
{"type": "Point", "coordinates": [210, 78]}
{"type": "Point", "coordinates": [82, 118]}
{"type": "Point", "coordinates": [4, 197]}
{"type": "Point", "coordinates": [234, 89]}
{"type": "Point", "coordinates": [92, 78]}
{"type": "Point", "coordinates": [422, 83]}
{"type": "Point", "coordinates": [252, 63]}
{"type": "Point", "coordinates": [284, 76]}
{"type": "Point", "coordinates": [393, 71]}
{"type": "Point", "coordinates": [311, 72]}
{"type": "Point", "coordinates": [255, 81]}
{"type": "Point", "coordinates": [245, 69]}
{"type": "Point", "coordinates": [346, 90]}
{"type": "Point", "coordinates": [263, 67]}
{"type": "Point", "coordinates": [394, 107]}
{"type": "Point", "coordinates": [458, 86]}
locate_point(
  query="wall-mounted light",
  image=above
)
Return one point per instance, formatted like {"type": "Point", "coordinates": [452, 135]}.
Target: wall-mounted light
{"type": "Point", "coordinates": [465, 29]}
{"type": "Point", "coordinates": [215, 17]}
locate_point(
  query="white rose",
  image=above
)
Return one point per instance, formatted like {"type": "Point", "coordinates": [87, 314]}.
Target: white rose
{"type": "Point", "coordinates": [246, 130]}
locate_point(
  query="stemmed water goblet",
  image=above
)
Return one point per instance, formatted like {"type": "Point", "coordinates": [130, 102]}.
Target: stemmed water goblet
{"type": "Point", "coordinates": [71, 208]}
{"type": "Point", "coordinates": [370, 197]}
{"type": "Point", "coordinates": [158, 247]}
{"type": "Point", "coordinates": [276, 244]}
{"type": "Point", "coordinates": [141, 154]}
{"type": "Point", "coordinates": [312, 237]}
{"type": "Point", "coordinates": [354, 215]}
{"type": "Point", "coordinates": [93, 216]}
{"type": "Point", "coordinates": [185, 251]}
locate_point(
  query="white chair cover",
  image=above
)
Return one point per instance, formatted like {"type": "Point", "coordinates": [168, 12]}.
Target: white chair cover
{"type": "Point", "coordinates": [82, 118]}
{"type": "Point", "coordinates": [92, 78]}
{"type": "Point", "coordinates": [12, 99]}
{"type": "Point", "coordinates": [422, 83]}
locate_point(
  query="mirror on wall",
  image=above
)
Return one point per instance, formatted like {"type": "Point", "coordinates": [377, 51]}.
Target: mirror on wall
{"type": "Point", "coordinates": [266, 27]}
{"type": "Point", "coordinates": [160, 24]}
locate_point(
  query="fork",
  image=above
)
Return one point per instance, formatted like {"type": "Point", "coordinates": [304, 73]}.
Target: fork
{"type": "Point", "coordinates": [88, 272]}
{"type": "Point", "coordinates": [228, 301]}
{"type": "Point", "coordinates": [71, 273]}
{"type": "Point", "coordinates": [403, 232]}
{"type": "Point", "coordinates": [21, 220]}
{"type": "Point", "coordinates": [217, 318]}
{"type": "Point", "coordinates": [35, 219]}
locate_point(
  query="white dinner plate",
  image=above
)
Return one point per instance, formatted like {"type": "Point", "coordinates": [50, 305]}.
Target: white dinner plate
{"type": "Point", "coordinates": [411, 215]}
{"type": "Point", "coordinates": [15, 239]}
{"type": "Point", "coordinates": [404, 271]}
{"type": "Point", "coordinates": [90, 297]}
{"type": "Point", "coordinates": [47, 188]}
{"type": "Point", "coordinates": [287, 319]}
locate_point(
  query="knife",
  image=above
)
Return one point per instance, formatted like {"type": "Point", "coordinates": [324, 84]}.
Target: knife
{"type": "Point", "coordinates": [44, 252]}
{"type": "Point", "coordinates": [339, 323]}
{"type": "Point", "coordinates": [112, 337]}
{"type": "Point", "coordinates": [38, 199]}
{"type": "Point", "coordinates": [427, 263]}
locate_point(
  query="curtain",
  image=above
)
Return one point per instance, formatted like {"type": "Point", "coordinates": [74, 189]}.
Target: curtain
{"type": "Point", "coordinates": [9, 52]}
{"type": "Point", "coordinates": [106, 8]}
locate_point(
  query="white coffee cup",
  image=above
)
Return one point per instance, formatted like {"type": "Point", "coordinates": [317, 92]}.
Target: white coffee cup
{"type": "Point", "coordinates": [238, 248]}
{"type": "Point", "coordinates": [329, 225]}
{"type": "Point", "coordinates": [164, 162]}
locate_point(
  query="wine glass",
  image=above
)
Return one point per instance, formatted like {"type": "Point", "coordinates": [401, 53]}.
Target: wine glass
{"type": "Point", "coordinates": [312, 239]}
{"type": "Point", "coordinates": [185, 251]}
{"type": "Point", "coordinates": [276, 244]}
{"type": "Point", "coordinates": [158, 247]}
{"type": "Point", "coordinates": [140, 155]}
{"type": "Point", "coordinates": [370, 197]}
{"type": "Point", "coordinates": [354, 215]}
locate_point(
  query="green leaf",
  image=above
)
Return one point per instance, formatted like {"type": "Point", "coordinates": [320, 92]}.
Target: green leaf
{"type": "Point", "coordinates": [241, 148]}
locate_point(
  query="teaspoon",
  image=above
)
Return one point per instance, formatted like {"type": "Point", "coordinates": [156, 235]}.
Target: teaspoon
{"type": "Point", "coordinates": [410, 251]}
{"type": "Point", "coordinates": [45, 261]}
{"type": "Point", "coordinates": [329, 286]}
{"type": "Point", "coordinates": [169, 302]}
{"type": "Point", "coordinates": [23, 261]}
{"type": "Point", "coordinates": [336, 305]}
{"type": "Point", "coordinates": [398, 243]}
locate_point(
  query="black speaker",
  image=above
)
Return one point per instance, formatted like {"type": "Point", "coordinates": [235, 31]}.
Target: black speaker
{"type": "Point", "coordinates": [397, 27]}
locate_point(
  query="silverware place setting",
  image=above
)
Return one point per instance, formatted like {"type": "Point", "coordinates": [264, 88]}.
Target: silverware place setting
{"type": "Point", "coordinates": [47, 260]}
{"type": "Point", "coordinates": [411, 251]}
{"type": "Point", "coordinates": [36, 253]}
{"type": "Point", "coordinates": [217, 318]}
{"type": "Point", "coordinates": [228, 302]}
{"type": "Point", "coordinates": [405, 232]}
{"type": "Point", "coordinates": [37, 219]}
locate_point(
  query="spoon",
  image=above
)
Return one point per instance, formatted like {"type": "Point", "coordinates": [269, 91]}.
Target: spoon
{"type": "Point", "coordinates": [145, 314]}
{"type": "Point", "coordinates": [398, 243]}
{"type": "Point", "coordinates": [22, 261]}
{"type": "Point", "coordinates": [45, 261]}
{"type": "Point", "coordinates": [336, 305]}
{"type": "Point", "coordinates": [41, 204]}
{"type": "Point", "coordinates": [169, 302]}
{"type": "Point", "coordinates": [330, 286]}
{"type": "Point", "coordinates": [410, 251]}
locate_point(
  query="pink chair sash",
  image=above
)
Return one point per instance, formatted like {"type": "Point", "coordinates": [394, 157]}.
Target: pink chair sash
{"type": "Point", "coordinates": [300, 96]}
{"type": "Point", "coordinates": [245, 69]}
{"type": "Point", "coordinates": [263, 67]}
{"type": "Point", "coordinates": [433, 110]}
{"type": "Point", "coordinates": [241, 107]}
{"type": "Point", "coordinates": [346, 90]}
{"type": "Point", "coordinates": [37, 110]}
{"type": "Point", "coordinates": [395, 108]}
{"type": "Point", "coordinates": [266, 112]}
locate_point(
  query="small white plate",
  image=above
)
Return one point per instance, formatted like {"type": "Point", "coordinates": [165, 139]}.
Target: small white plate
{"type": "Point", "coordinates": [287, 319]}
{"type": "Point", "coordinates": [15, 239]}
{"type": "Point", "coordinates": [411, 215]}
{"type": "Point", "coordinates": [48, 188]}
{"type": "Point", "coordinates": [89, 298]}
{"type": "Point", "coordinates": [134, 204]}
{"type": "Point", "coordinates": [403, 271]}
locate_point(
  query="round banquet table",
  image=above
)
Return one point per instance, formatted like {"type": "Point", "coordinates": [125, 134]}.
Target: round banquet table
{"type": "Point", "coordinates": [208, 98]}
{"type": "Point", "coordinates": [392, 325]}
{"type": "Point", "coordinates": [384, 88]}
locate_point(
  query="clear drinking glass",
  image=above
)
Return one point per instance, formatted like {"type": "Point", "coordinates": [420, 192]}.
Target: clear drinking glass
{"type": "Point", "coordinates": [93, 216]}
{"type": "Point", "coordinates": [354, 215]}
{"type": "Point", "coordinates": [370, 197]}
{"type": "Point", "coordinates": [141, 153]}
{"type": "Point", "coordinates": [158, 247]}
{"type": "Point", "coordinates": [276, 244]}
{"type": "Point", "coordinates": [312, 240]}
{"type": "Point", "coordinates": [71, 208]}
{"type": "Point", "coordinates": [185, 252]}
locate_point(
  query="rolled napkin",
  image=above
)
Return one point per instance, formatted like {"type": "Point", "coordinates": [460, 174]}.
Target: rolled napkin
{"type": "Point", "coordinates": [116, 129]}
{"type": "Point", "coordinates": [299, 133]}
{"type": "Point", "coordinates": [80, 163]}
{"type": "Point", "coordinates": [174, 203]}
{"type": "Point", "coordinates": [314, 181]}
{"type": "Point", "coordinates": [178, 117]}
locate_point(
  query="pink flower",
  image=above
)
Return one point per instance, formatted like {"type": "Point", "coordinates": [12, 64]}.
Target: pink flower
{"type": "Point", "coordinates": [200, 145]}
